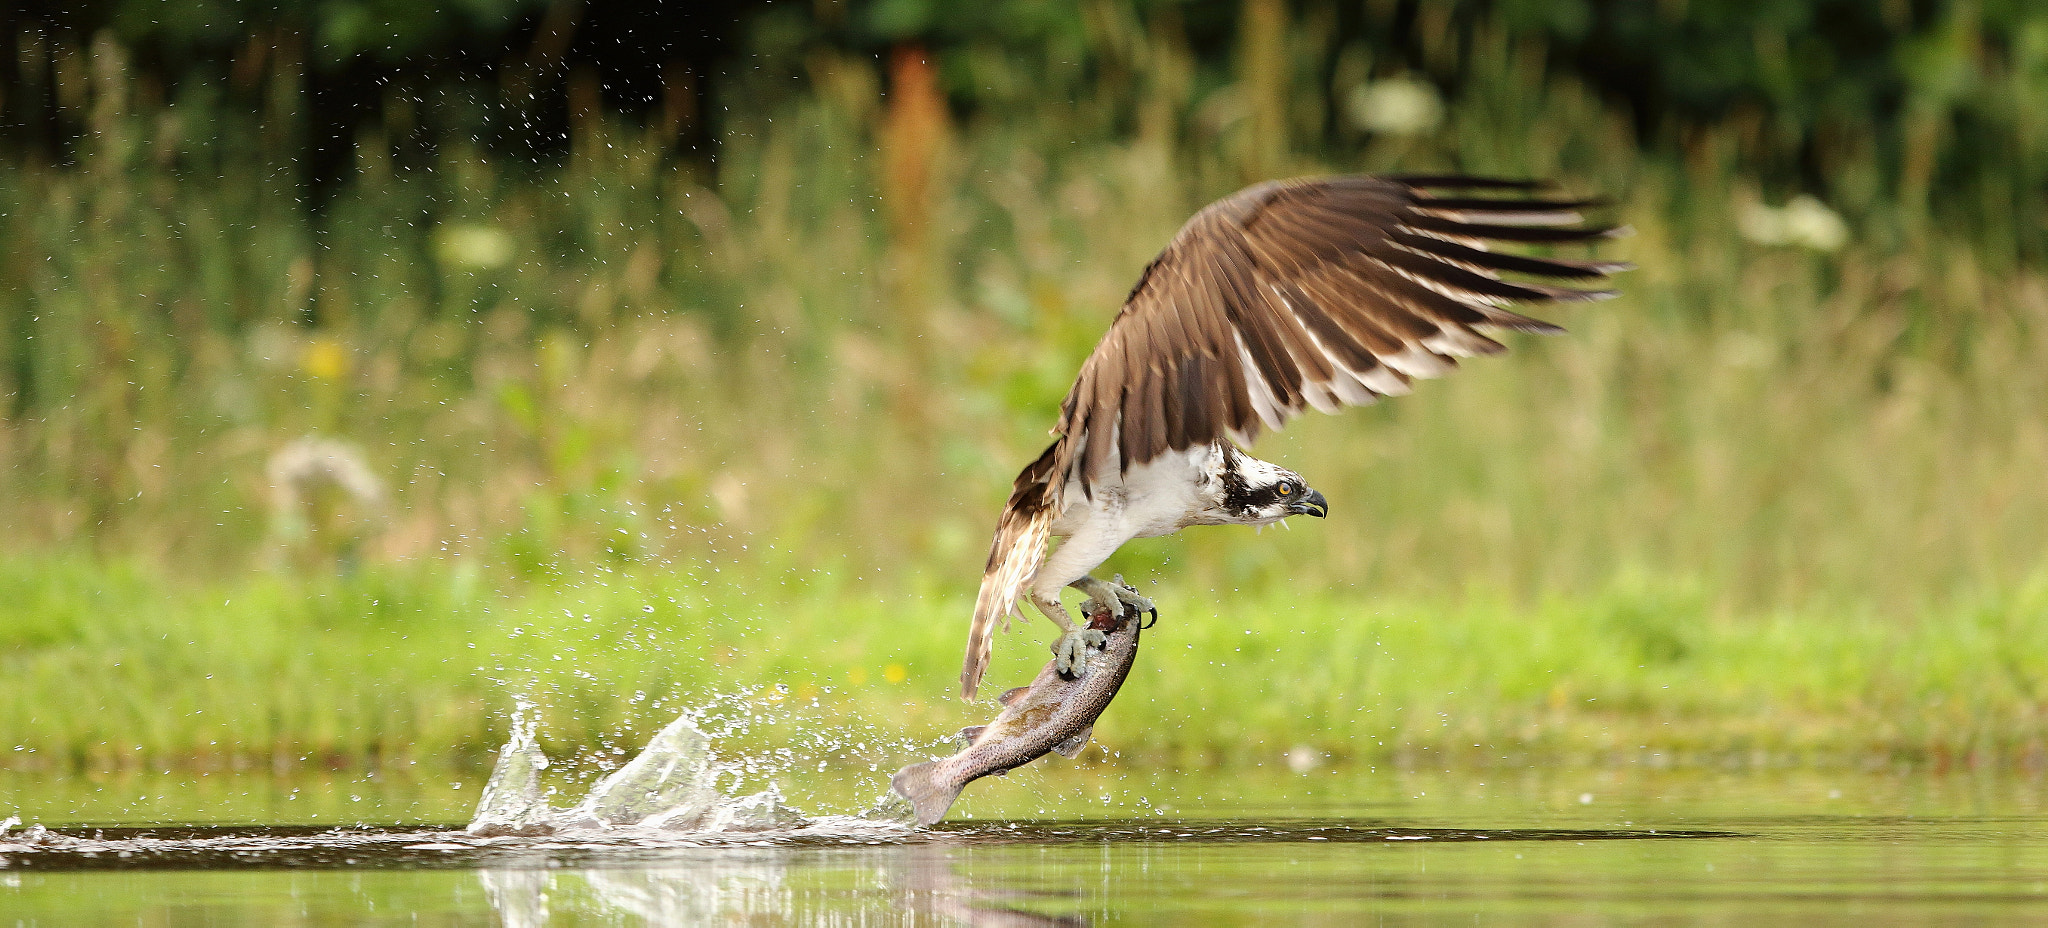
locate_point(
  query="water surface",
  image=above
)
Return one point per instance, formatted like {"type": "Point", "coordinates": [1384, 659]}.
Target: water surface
{"type": "Point", "coordinates": [1095, 845]}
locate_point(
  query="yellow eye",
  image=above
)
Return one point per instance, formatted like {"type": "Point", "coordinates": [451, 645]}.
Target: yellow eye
{"type": "Point", "coordinates": [1285, 489]}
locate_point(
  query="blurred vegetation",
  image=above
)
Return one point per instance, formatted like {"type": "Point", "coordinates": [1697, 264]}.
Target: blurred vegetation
{"type": "Point", "coordinates": [792, 374]}
{"type": "Point", "coordinates": [1893, 111]}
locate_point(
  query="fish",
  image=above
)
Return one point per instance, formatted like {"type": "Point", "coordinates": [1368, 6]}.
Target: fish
{"type": "Point", "coordinates": [1054, 713]}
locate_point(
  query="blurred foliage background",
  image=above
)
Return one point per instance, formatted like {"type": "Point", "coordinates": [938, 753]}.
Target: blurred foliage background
{"type": "Point", "coordinates": [445, 310]}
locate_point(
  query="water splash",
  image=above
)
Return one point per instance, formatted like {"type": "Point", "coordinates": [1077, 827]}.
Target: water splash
{"type": "Point", "coordinates": [513, 803]}
{"type": "Point", "coordinates": [669, 783]}
{"type": "Point", "coordinates": [670, 786]}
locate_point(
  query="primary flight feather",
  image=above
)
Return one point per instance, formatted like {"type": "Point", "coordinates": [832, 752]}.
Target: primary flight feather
{"type": "Point", "coordinates": [1324, 292]}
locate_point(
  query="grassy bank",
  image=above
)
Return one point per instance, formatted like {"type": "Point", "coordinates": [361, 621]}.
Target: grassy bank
{"type": "Point", "coordinates": [130, 671]}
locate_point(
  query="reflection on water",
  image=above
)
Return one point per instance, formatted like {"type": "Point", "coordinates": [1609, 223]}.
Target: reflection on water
{"type": "Point", "coordinates": [1590, 847]}
{"type": "Point", "coordinates": [915, 883]}
{"type": "Point", "coordinates": [808, 874]}
{"type": "Point", "coordinates": [1815, 868]}
{"type": "Point", "coordinates": [923, 877]}
{"type": "Point", "coordinates": [754, 888]}
{"type": "Point", "coordinates": [928, 881]}
{"type": "Point", "coordinates": [718, 890]}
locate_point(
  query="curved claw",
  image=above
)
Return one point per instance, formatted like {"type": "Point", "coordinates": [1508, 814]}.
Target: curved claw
{"type": "Point", "coordinates": [1129, 600]}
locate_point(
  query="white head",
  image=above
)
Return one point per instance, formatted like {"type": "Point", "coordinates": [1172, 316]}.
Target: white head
{"type": "Point", "coordinates": [1248, 491]}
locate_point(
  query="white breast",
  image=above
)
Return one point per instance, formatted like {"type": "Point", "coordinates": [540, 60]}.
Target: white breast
{"type": "Point", "coordinates": [1156, 498]}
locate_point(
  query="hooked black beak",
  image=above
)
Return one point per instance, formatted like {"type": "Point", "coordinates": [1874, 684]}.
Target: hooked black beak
{"type": "Point", "coordinates": [1311, 503]}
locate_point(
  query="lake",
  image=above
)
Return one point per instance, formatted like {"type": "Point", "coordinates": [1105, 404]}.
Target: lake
{"type": "Point", "coordinates": [1067, 845]}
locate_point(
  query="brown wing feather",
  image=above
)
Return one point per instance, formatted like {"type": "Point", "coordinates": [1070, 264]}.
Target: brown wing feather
{"type": "Point", "coordinates": [1324, 292]}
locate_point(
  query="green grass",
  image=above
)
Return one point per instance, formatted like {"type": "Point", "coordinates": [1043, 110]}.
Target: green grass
{"type": "Point", "coordinates": [1773, 500]}
{"type": "Point", "coordinates": [121, 670]}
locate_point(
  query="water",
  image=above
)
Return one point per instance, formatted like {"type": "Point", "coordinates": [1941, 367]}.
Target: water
{"type": "Point", "coordinates": [1075, 844]}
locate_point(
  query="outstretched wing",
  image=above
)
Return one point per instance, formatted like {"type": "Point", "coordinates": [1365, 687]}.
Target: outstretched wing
{"type": "Point", "coordinates": [1323, 292]}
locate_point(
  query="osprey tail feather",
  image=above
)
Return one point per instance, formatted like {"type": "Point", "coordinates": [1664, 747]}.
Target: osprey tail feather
{"type": "Point", "coordinates": [1013, 559]}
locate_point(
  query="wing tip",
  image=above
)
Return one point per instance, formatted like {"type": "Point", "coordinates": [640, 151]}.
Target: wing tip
{"type": "Point", "coordinates": [1570, 295]}
{"type": "Point", "coordinates": [1516, 322]}
{"type": "Point", "coordinates": [1470, 182]}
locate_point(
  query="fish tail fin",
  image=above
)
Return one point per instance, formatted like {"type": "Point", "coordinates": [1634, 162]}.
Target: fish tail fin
{"type": "Point", "coordinates": [920, 784]}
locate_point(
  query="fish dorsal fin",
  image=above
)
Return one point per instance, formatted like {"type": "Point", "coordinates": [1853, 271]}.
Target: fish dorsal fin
{"type": "Point", "coordinates": [1071, 748]}
{"type": "Point", "coordinates": [1010, 696]}
{"type": "Point", "coordinates": [971, 732]}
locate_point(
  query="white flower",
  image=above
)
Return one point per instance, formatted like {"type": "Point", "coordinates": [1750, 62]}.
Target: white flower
{"type": "Point", "coordinates": [472, 245]}
{"type": "Point", "coordinates": [1396, 106]}
{"type": "Point", "coordinates": [1805, 222]}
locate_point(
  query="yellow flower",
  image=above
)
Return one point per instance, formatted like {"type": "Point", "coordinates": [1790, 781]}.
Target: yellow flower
{"type": "Point", "coordinates": [895, 673]}
{"type": "Point", "coordinates": [325, 358]}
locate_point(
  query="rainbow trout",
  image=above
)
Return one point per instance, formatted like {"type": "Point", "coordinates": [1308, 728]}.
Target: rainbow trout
{"type": "Point", "coordinates": [1052, 714]}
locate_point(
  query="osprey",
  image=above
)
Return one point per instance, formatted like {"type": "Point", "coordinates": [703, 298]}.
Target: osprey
{"type": "Point", "coordinates": [1324, 292]}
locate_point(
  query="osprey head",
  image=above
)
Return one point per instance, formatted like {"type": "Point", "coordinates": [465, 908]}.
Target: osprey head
{"type": "Point", "coordinates": [1259, 493]}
